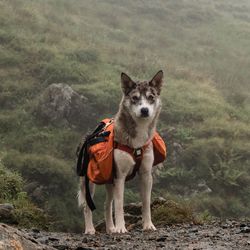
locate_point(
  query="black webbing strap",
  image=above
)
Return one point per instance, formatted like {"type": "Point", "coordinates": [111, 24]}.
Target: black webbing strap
{"type": "Point", "coordinates": [83, 159]}
{"type": "Point", "coordinates": [88, 197]}
{"type": "Point", "coordinates": [99, 139]}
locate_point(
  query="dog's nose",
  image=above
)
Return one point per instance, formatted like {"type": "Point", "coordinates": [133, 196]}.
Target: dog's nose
{"type": "Point", "coordinates": [144, 112]}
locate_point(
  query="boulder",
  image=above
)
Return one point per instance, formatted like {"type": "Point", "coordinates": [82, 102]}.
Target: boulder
{"type": "Point", "coordinates": [12, 238]}
{"type": "Point", "coordinates": [60, 105]}
{"type": "Point", "coordinates": [6, 213]}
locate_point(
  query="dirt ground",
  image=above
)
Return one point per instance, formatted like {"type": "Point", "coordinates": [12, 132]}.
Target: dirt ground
{"type": "Point", "coordinates": [227, 235]}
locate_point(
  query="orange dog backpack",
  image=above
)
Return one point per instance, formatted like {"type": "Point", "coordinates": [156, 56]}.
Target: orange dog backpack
{"type": "Point", "coordinates": [96, 158]}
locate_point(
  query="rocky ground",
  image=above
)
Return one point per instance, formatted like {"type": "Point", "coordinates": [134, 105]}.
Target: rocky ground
{"type": "Point", "coordinates": [215, 235]}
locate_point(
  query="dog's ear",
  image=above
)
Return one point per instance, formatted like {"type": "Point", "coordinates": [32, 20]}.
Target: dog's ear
{"type": "Point", "coordinates": [157, 81]}
{"type": "Point", "coordinates": [127, 83]}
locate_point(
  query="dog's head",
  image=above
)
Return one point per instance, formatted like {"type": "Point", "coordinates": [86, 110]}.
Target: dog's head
{"type": "Point", "coordinates": [142, 99]}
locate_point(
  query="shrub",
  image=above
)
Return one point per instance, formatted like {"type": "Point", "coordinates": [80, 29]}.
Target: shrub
{"type": "Point", "coordinates": [171, 212]}
{"type": "Point", "coordinates": [25, 213]}
{"type": "Point", "coordinates": [53, 174]}
{"type": "Point", "coordinates": [11, 183]}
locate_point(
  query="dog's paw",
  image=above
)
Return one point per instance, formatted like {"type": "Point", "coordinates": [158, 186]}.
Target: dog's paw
{"type": "Point", "coordinates": [110, 230]}
{"type": "Point", "coordinates": [149, 226]}
{"type": "Point", "coordinates": [89, 231]}
{"type": "Point", "coordinates": [121, 229]}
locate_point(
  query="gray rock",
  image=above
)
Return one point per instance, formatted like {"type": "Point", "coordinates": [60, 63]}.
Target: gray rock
{"type": "Point", "coordinates": [245, 229]}
{"type": "Point", "coordinates": [133, 208]}
{"type": "Point", "coordinates": [203, 187]}
{"type": "Point", "coordinates": [5, 209]}
{"type": "Point", "coordinates": [12, 238]}
{"type": "Point", "coordinates": [6, 213]}
{"type": "Point", "coordinates": [60, 105]}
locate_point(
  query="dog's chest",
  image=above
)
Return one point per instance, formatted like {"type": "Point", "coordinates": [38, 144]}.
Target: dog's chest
{"type": "Point", "coordinates": [141, 138]}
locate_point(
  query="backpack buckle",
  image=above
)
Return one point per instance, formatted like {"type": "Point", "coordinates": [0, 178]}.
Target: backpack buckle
{"type": "Point", "coordinates": [108, 123]}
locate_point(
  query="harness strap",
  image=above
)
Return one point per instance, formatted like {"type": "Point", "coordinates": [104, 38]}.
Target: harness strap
{"type": "Point", "coordinates": [136, 153]}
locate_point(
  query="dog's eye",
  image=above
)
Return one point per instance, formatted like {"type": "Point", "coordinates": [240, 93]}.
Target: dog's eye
{"type": "Point", "coordinates": [135, 98]}
{"type": "Point", "coordinates": [151, 98]}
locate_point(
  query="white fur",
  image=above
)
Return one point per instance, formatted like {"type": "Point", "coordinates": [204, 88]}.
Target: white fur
{"type": "Point", "coordinates": [89, 226]}
{"type": "Point", "coordinates": [80, 194]}
{"type": "Point", "coordinates": [81, 199]}
{"type": "Point", "coordinates": [142, 134]}
{"type": "Point", "coordinates": [136, 109]}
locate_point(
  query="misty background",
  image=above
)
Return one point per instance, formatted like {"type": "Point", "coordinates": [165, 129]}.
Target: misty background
{"type": "Point", "coordinates": [60, 65]}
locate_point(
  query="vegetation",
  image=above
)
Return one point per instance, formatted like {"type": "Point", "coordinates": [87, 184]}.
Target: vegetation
{"type": "Point", "coordinates": [25, 212]}
{"type": "Point", "coordinates": [203, 48]}
{"type": "Point", "coordinates": [171, 212]}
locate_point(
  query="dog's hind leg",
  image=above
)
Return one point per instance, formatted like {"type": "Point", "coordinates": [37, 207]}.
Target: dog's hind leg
{"type": "Point", "coordinates": [146, 181]}
{"type": "Point", "coordinates": [110, 228]}
{"type": "Point", "coordinates": [89, 226]}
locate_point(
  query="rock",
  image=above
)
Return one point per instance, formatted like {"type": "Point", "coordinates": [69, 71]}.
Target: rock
{"type": "Point", "coordinates": [193, 230]}
{"type": "Point", "coordinates": [161, 238]}
{"type": "Point", "coordinates": [133, 208]}
{"type": "Point", "coordinates": [203, 187]}
{"type": "Point", "coordinates": [59, 104]}
{"type": "Point", "coordinates": [100, 226]}
{"type": "Point", "coordinates": [6, 213]}
{"type": "Point", "coordinates": [159, 201]}
{"type": "Point", "coordinates": [131, 219]}
{"type": "Point", "coordinates": [35, 230]}
{"type": "Point", "coordinates": [6, 209]}
{"type": "Point", "coordinates": [245, 229]}
{"type": "Point", "coordinates": [12, 238]}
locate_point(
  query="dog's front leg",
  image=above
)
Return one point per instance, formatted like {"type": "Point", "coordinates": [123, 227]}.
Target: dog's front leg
{"type": "Point", "coordinates": [124, 165]}
{"type": "Point", "coordinates": [118, 198]}
{"type": "Point", "coordinates": [146, 182]}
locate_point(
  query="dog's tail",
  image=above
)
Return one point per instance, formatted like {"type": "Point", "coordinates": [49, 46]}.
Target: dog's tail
{"type": "Point", "coordinates": [81, 193]}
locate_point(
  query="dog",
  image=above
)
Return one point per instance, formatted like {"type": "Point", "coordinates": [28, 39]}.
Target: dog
{"type": "Point", "coordinates": [134, 126]}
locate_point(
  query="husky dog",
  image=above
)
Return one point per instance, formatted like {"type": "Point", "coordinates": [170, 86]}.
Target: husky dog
{"type": "Point", "coordinates": [134, 126]}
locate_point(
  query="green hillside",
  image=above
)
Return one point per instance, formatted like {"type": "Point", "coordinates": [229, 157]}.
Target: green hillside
{"type": "Point", "coordinates": [202, 47]}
